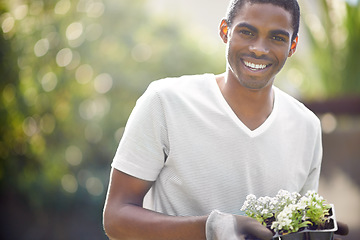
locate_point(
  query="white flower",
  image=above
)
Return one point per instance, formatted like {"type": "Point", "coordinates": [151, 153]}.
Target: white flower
{"type": "Point", "coordinates": [289, 209]}
{"type": "Point", "coordinates": [264, 211]}
{"type": "Point", "coordinates": [250, 197]}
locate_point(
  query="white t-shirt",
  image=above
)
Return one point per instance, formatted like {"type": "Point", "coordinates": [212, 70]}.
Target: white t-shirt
{"type": "Point", "coordinates": [183, 135]}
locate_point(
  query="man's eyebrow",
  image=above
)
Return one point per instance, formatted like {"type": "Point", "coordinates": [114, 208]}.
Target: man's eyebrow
{"type": "Point", "coordinates": [280, 32]}
{"type": "Point", "coordinates": [246, 25]}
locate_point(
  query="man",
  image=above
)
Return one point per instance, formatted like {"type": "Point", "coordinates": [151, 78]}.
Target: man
{"type": "Point", "coordinates": [196, 146]}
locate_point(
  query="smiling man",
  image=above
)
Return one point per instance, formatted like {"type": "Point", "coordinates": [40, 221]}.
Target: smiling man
{"type": "Point", "coordinates": [194, 147]}
{"type": "Point", "coordinates": [259, 40]}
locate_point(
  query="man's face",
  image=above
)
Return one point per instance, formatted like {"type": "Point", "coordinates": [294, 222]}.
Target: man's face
{"type": "Point", "coordinates": [258, 44]}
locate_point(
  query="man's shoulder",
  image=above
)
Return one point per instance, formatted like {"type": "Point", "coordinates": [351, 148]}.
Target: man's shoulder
{"type": "Point", "coordinates": [183, 84]}
{"type": "Point", "coordinates": [295, 107]}
{"type": "Point", "coordinates": [182, 80]}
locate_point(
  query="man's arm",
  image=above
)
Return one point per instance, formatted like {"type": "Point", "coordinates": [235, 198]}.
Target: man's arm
{"type": "Point", "coordinates": [125, 218]}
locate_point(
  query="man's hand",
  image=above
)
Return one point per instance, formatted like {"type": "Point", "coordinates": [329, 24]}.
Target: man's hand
{"type": "Point", "coordinates": [249, 228]}
{"type": "Point", "coordinates": [343, 229]}
{"type": "Point", "coordinates": [222, 226]}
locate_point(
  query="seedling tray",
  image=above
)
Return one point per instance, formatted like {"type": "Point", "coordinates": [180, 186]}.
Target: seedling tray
{"type": "Point", "coordinates": [308, 234]}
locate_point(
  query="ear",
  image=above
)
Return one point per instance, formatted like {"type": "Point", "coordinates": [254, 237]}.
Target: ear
{"type": "Point", "coordinates": [224, 30]}
{"type": "Point", "coordinates": [293, 46]}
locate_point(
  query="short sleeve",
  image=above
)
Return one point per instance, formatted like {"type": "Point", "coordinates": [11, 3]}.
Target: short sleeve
{"type": "Point", "coordinates": [143, 148]}
{"type": "Point", "coordinates": [312, 182]}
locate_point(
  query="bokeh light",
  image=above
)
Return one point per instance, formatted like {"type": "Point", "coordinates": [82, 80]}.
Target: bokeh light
{"type": "Point", "coordinates": [103, 83]}
{"type": "Point", "coordinates": [64, 57]}
{"type": "Point", "coordinates": [328, 123]}
{"type": "Point", "coordinates": [62, 7]}
{"type": "Point", "coordinates": [74, 31]}
{"type": "Point", "coordinates": [94, 186]}
{"type": "Point", "coordinates": [8, 23]}
{"type": "Point", "coordinates": [73, 155]}
{"type": "Point", "coordinates": [73, 69]}
{"type": "Point", "coordinates": [49, 81]}
{"type": "Point", "coordinates": [84, 74]}
{"type": "Point", "coordinates": [41, 47]}
{"type": "Point", "coordinates": [69, 183]}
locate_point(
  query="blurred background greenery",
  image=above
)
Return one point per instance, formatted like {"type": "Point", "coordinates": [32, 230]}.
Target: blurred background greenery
{"type": "Point", "coordinates": [71, 72]}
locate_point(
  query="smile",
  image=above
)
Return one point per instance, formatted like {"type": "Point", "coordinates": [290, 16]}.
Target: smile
{"type": "Point", "coordinates": [254, 66]}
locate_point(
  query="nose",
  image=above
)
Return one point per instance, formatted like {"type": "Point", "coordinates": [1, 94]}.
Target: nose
{"type": "Point", "coordinates": [259, 47]}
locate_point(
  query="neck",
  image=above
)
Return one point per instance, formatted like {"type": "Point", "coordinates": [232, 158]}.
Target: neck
{"type": "Point", "coordinates": [252, 106]}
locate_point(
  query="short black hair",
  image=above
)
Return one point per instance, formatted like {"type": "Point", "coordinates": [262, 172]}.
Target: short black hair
{"type": "Point", "coordinates": [292, 6]}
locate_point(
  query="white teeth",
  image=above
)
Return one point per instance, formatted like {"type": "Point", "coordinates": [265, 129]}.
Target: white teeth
{"type": "Point", "coordinates": [255, 66]}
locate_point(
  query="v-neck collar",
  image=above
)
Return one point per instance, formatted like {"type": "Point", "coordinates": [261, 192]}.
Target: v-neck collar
{"type": "Point", "coordinates": [251, 133]}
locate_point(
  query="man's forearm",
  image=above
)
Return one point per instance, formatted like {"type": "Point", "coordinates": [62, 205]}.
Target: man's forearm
{"type": "Point", "coordinates": [134, 222]}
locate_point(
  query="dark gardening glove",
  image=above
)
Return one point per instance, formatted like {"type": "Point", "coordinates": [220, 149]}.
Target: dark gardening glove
{"type": "Point", "coordinates": [343, 229]}
{"type": "Point", "coordinates": [223, 226]}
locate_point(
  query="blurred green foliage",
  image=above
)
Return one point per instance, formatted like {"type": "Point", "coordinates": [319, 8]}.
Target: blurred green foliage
{"type": "Point", "coordinates": [71, 72]}
{"type": "Point", "coordinates": [330, 68]}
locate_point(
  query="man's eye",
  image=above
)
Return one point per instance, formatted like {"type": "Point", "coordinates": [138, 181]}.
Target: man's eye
{"type": "Point", "coordinates": [277, 38]}
{"type": "Point", "coordinates": [246, 32]}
